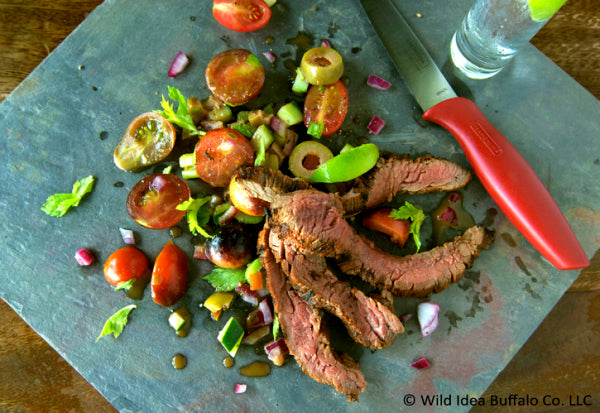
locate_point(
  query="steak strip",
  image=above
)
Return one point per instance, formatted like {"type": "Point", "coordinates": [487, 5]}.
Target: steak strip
{"type": "Point", "coordinates": [368, 321]}
{"type": "Point", "coordinates": [305, 333]}
{"type": "Point", "coordinates": [313, 221]}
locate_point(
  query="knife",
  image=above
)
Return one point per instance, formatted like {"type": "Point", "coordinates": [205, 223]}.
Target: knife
{"type": "Point", "coordinates": [502, 170]}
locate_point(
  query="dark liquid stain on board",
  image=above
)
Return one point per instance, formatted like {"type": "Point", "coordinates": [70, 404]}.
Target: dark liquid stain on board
{"type": "Point", "coordinates": [522, 265]}
{"type": "Point", "coordinates": [530, 291]}
{"type": "Point", "coordinates": [508, 239]}
{"type": "Point", "coordinates": [303, 41]}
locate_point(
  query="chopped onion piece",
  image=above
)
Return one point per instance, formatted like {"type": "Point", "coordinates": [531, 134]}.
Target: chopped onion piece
{"type": "Point", "coordinates": [256, 335]}
{"type": "Point", "coordinates": [405, 317]}
{"type": "Point", "coordinates": [325, 43]}
{"type": "Point", "coordinates": [376, 124]}
{"type": "Point", "coordinates": [427, 314]}
{"type": "Point", "coordinates": [278, 126]}
{"type": "Point", "coordinates": [270, 56]}
{"type": "Point", "coordinates": [127, 235]}
{"type": "Point", "coordinates": [265, 310]}
{"type": "Point", "coordinates": [420, 364]}
{"type": "Point", "coordinates": [227, 216]}
{"type": "Point", "coordinates": [449, 216]}
{"type": "Point", "coordinates": [179, 64]}
{"type": "Point", "coordinates": [378, 83]}
{"type": "Point", "coordinates": [200, 252]}
{"type": "Point", "coordinates": [240, 388]}
{"type": "Point", "coordinates": [84, 257]}
{"type": "Point", "coordinates": [249, 296]}
{"type": "Point", "coordinates": [277, 351]}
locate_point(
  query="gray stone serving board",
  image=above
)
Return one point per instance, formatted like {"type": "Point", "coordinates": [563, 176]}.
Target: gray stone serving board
{"type": "Point", "coordinates": [64, 121]}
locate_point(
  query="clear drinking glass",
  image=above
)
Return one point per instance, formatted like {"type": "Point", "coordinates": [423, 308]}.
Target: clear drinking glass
{"type": "Point", "coordinates": [493, 32]}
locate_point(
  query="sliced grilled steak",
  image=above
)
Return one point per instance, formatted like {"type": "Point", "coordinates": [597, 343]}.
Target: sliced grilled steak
{"type": "Point", "coordinates": [266, 184]}
{"type": "Point", "coordinates": [313, 222]}
{"type": "Point", "coordinates": [306, 335]}
{"type": "Point", "coordinates": [395, 174]}
{"type": "Point", "coordinates": [369, 322]}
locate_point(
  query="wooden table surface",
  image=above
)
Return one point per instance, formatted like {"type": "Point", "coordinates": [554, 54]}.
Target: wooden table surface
{"type": "Point", "coordinates": [561, 360]}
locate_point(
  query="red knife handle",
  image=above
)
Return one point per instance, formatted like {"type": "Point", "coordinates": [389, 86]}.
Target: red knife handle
{"type": "Point", "coordinates": [511, 182]}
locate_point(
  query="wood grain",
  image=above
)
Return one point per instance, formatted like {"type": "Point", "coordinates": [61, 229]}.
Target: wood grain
{"type": "Point", "coordinates": [561, 358]}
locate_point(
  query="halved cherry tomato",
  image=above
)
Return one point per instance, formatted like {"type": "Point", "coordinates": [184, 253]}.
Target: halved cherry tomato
{"type": "Point", "coordinates": [327, 104]}
{"type": "Point", "coordinates": [153, 200]}
{"type": "Point", "coordinates": [219, 153]}
{"type": "Point", "coordinates": [235, 76]}
{"type": "Point", "coordinates": [124, 264]}
{"type": "Point", "coordinates": [243, 201]}
{"type": "Point", "coordinates": [169, 275]}
{"type": "Point", "coordinates": [242, 15]}
{"type": "Point", "coordinates": [397, 229]}
{"type": "Point", "coordinates": [149, 139]}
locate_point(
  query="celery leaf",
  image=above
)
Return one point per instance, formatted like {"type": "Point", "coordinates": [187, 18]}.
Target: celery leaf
{"type": "Point", "coordinates": [225, 279]}
{"type": "Point", "coordinates": [415, 215]}
{"type": "Point", "coordinates": [58, 204]}
{"type": "Point", "coordinates": [117, 322]}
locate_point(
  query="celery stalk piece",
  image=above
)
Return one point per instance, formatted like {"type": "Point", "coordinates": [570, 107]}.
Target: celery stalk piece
{"type": "Point", "coordinates": [290, 113]}
{"type": "Point", "coordinates": [231, 336]}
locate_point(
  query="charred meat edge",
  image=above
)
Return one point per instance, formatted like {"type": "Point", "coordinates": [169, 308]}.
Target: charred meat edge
{"type": "Point", "coordinates": [314, 222]}
{"type": "Point", "coordinates": [368, 321]}
{"type": "Point", "coordinates": [306, 335]}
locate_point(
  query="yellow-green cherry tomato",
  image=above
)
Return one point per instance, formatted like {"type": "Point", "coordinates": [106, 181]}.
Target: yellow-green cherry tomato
{"type": "Point", "coordinates": [321, 66]}
{"type": "Point", "coordinates": [149, 139]}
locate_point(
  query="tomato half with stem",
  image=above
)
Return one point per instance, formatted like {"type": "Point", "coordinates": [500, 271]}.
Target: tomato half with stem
{"type": "Point", "coordinates": [220, 153]}
{"type": "Point", "coordinates": [153, 200]}
{"type": "Point", "coordinates": [124, 264]}
{"type": "Point", "coordinates": [235, 76]}
{"type": "Point", "coordinates": [148, 139]}
{"type": "Point", "coordinates": [327, 105]}
{"type": "Point", "coordinates": [169, 275]}
{"type": "Point", "coordinates": [242, 15]}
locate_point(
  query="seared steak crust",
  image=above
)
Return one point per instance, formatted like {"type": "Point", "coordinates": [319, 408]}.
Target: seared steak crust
{"type": "Point", "coordinates": [395, 174]}
{"type": "Point", "coordinates": [369, 322]}
{"type": "Point", "coordinates": [305, 333]}
{"type": "Point", "coordinates": [314, 222]}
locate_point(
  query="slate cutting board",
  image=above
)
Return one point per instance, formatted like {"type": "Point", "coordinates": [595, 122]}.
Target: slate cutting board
{"type": "Point", "coordinates": [63, 122]}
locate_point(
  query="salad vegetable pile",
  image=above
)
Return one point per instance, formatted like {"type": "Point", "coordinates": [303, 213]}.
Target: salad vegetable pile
{"type": "Point", "coordinates": [227, 132]}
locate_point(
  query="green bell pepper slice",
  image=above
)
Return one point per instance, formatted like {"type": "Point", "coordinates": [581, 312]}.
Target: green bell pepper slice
{"type": "Point", "coordinates": [347, 165]}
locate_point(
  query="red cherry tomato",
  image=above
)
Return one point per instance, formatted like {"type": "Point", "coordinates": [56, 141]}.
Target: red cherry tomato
{"type": "Point", "coordinates": [242, 15]}
{"type": "Point", "coordinates": [169, 275]}
{"type": "Point", "coordinates": [327, 104]}
{"type": "Point", "coordinates": [235, 76]}
{"type": "Point", "coordinates": [124, 264]}
{"type": "Point", "coordinates": [152, 201]}
{"type": "Point", "coordinates": [219, 153]}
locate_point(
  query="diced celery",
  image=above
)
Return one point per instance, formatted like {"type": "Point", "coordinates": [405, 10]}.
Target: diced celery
{"type": "Point", "coordinates": [263, 133]}
{"type": "Point", "coordinates": [223, 114]}
{"type": "Point", "coordinates": [315, 129]}
{"type": "Point", "coordinates": [189, 173]}
{"type": "Point", "coordinates": [245, 128]}
{"type": "Point", "coordinates": [218, 301]}
{"type": "Point", "coordinates": [248, 219]}
{"type": "Point", "coordinates": [242, 115]}
{"type": "Point", "coordinates": [176, 320]}
{"type": "Point", "coordinates": [272, 161]}
{"type": "Point", "coordinates": [300, 84]}
{"type": "Point", "coordinates": [231, 336]}
{"type": "Point", "coordinates": [290, 113]}
{"type": "Point", "coordinates": [270, 3]}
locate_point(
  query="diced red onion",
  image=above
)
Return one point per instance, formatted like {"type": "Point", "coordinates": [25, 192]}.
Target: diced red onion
{"type": "Point", "coordinates": [264, 308]}
{"type": "Point", "coordinates": [249, 296]}
{"type": "Point", "coordinates": [270, 56]}
{"type": "Point", "coordinates": [158, 183]}
{"type": "Point", "coordinates": [325, 43]}
{"type": "Point", "coordinates": [179, 64]}
{"type": "Point", "coordinates": [290, 142]}
{"type": "Point", "coordinates": [448, 215]}
{"type": "Point", "coordinates": [227, 216]}
{"type": "Point", "coordinates": [127, 236]}
{"type": "Point", "coordinates": [378, 83]}
{"type": "Point", "coordinates": [405, 317]}
{"type": "Point", "coordinates": [240, 388]}
{"type": "Point", "coordinates": [420, 364]}
{"type": "Point", "coordinates": [200, 252]}
{"type": "Point", "coordinates": [454, 197]}
{"type": "Point", "coordinates": [278, 126]}
{"type": "Point", "coordinates": [376, 124]}
{"type": "Point", "coordinates": [84, 256]}
{"type": "Point", "coordinates": [277, 351]}
{"type": "Point", "coordinates": [263, 293]}
{"type": "Point", "coordinates": [427, 314]}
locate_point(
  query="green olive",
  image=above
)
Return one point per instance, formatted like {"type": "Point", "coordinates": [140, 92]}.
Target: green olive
{"type": "Point", "coordinates": [321, 66]}
{"type": "Point", "coordinates": [306, 157]}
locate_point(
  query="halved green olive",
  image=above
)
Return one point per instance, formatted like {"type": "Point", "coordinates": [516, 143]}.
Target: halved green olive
{"type": "Point", "coordinates": [322, 66]}
{"type": "Point", "coordinates": [308, 156]}
{"type": "Point", "coordinates": [149, 139]}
